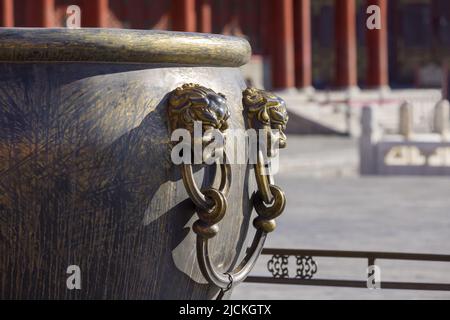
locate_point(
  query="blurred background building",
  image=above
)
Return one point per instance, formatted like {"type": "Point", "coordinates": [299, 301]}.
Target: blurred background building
{"type": "Point", "coordinates": [295, 42]}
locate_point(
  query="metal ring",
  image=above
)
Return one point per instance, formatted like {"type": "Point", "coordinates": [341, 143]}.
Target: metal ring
{"type": "Point", "coordinates": [218, 209]}
{"type": "Point", "coordinates": [222, 279]}
{"type": "Point", "coordinates": [277, 206]}
{"type": "Point", "coordinates": [269, 204]}
{"type": "Point", "coordinates": [230, 285]}
{"type": "Point", "coordinates": [263, 179]}
{"type": "Point", "coordinates": [198, 197]}
{"type": "Point", "coordinates": [264, 224]}
{"type": "Point", "coordinates": [269, 201]}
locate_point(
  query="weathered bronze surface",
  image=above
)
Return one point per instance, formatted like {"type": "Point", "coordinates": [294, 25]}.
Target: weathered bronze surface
{"type": "Point", "coordinates": [192, 103]}
{"type": "Point", "coordinates": [266, 112]}
{"type": "Point", "coordinates": [86, 177]}
{"type": "Point", "coordinates": [122, 46]}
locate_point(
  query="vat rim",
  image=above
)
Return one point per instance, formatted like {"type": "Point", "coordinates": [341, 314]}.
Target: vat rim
{"type": "Point", "coordinates": [122, 46]}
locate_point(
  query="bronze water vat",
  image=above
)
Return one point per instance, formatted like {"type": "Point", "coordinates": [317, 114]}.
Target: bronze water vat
{"type": "Point", "coordinates": [87, 183]}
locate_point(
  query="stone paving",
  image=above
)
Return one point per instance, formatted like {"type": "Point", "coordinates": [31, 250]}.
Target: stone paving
{"type": "Point", "coordinates": [331, 207]}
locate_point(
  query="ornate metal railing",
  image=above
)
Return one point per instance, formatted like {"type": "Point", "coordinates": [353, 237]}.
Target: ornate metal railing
{"type": "Point", "coordinates": [306, 268]}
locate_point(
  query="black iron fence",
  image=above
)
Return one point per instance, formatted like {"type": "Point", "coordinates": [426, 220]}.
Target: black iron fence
{"type": "Point", "coordinates": [307, 267]}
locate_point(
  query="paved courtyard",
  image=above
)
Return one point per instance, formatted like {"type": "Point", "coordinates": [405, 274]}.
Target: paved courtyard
{"type": "Point", "coordinates": [330, 207]}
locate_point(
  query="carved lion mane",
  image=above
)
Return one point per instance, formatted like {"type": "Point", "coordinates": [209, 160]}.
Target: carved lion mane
{"type": "Point", "coordinates": [264, 109]}
{"type": "Point", "coordinates": [192, 102]}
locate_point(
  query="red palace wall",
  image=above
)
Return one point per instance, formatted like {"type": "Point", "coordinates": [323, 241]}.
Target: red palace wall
{"type": "Point", "coordinates": [304, 40]}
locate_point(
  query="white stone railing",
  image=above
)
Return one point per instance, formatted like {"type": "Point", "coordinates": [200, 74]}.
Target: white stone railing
{"type": "Point", "coordinates": [405, 153]}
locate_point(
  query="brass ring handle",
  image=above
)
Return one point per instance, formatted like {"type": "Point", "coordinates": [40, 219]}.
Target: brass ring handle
{"type": "Point", "coordinates": [262, 180]}
{"type": "Point", "coordinates": [263, 225]}
{"type": "Point", "coordinates": [197, 196]}
{"type": "Point", "coordinates": [266, 112]}
{"type": "Point", "coordinates": [223, 280]}
{"type": "Point", "coordinates": [191, 103]}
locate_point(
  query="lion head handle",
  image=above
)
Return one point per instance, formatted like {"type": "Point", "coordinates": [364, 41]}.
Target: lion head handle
{"type": "Point", "coordinates": [192, 102]}
{"type": "Point", "coordinates": [266, 110]}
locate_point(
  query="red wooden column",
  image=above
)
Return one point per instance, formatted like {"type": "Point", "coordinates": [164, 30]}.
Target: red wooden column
{"type": "Point", "coordinates": [137, 14]}
{"type": "Point", "coordinates": [225, 16]}
{"type": "Point", "coordinates": [265, 28]}
{"type": "Point", "coordinates": [40, 13]}
{"type": "Point", "coordinates": [282, 50]}
{"type": "Point", "coordinates": [183, 15]}
{"type": "Point", "coordinates": [377, 49]}
{"type": "Point", "coordinates": [303, 58]}
{"type": "Point", "coordinates": [94, 13]}
{"type": "Point", "coordinates": [205, 16]}
{"type": "Point", "coordinates": [345, 37]}
{"type": "Point", "coordinates": [6, 13]}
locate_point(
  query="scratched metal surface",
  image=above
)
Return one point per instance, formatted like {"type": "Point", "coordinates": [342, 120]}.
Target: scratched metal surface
{"type": "Point", "coordinates": [122, 46]}
{"type": "Point", "coordinates": [86, 179]}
